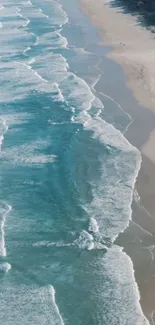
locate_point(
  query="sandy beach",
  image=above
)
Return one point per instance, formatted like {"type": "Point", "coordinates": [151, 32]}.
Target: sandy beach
{"type": "Point", "coordinates": [133, 48]}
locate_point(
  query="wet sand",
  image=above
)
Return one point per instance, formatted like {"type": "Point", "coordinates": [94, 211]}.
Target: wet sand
{"type": "Point", "coordinates": [133, 48]}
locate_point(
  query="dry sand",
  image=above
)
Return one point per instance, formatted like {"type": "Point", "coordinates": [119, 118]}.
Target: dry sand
{"type": "Point", "coordinates": [133, 47]}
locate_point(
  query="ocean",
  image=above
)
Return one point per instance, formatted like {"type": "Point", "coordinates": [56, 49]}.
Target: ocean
{"type": "Point", "coordinates": [67, 174]}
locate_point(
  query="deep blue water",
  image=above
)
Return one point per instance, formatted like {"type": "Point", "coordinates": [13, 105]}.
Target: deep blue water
{"type": "Point", "coordinates": [67, 174]}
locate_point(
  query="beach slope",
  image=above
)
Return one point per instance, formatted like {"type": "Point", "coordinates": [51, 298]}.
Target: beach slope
{"type": "Point", "coordinates": [133, 46]}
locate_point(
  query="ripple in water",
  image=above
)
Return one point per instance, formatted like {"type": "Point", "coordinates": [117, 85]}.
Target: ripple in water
{"type": "Point", "coordinates": [66, 213]}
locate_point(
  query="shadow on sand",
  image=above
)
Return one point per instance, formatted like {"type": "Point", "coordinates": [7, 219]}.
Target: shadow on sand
{"type": "Point", "coordinates": [144, 9]}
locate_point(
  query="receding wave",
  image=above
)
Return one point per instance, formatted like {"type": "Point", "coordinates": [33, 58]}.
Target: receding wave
{"type": "Point", "coordinates": [4, 210]}
{"type": "Point", "coordinates": [34, 63]}
{"type": "Point", "coordinates": [21, 299]}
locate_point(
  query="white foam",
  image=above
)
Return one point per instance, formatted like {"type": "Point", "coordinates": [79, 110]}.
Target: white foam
{"type": "Point", "coordinates": [126, 160]}
{"type": "Point", "coordinates": [17, 301]}
{"type": "Point", "coordinates": [29, 154]}
{"type": "Point", "coordinates": [56, 316]}
{"type": "Point", "coordinates": [37, 160]}
{"type": "Point", "coordinates": [18, 13]}
{"type": "Point", "coordinates": [53, 40]}
{"type": "Point", "coordinates": [30, 12]}
{"type": "Point", "coordinates": [24, 81]}
{"type": "Point", "coordinates": [31, 61]}
{"type": "Point", "coordinates": [14, 40]}
{"type": "Point", "coordinates": [76, 92]}
{"type": "Point", "coordinates": [7, 208]}
{"type": "Point", "coordinates": [28, 66]}
{"type": "Point", "coordinates": [125, 298]}
{"type": "Point", "coordinates": [56, 123]}
{"type": "Point", "coordinates": [45, 243]}
{"type": "Point", "coordinates": [12, 26]}
{"type": "Point", "coordinates": [57, 97]}
{"type": "Point", "coordinates": [27, 49]}
{"type": "Point", "coordinates": [43, 13]}
{"type": "Point", "coordinates": [37, 41]}
{"type": "Point", "coordinates": [26, 23]}
{"type": "Point", "coordinates": [85, 241]}
{"type": "Point", "coordinates": [64, 14]}
{"type": "Point", "coordinates": [56, 13]}
{"type": "Point", "coordinates": [39, 76]}
{"type": "Point", "coordinates": [8, 12]}
{"type": "Point", "coordinates": [66, 86]}
{"type": "Point", "coordinates": [93, 226]}
{"type": "Point", "coordinates": [52, 67]}
{"type": "Point", "coordinates": [136, 196]}
{"type": "Point", "coordinates": [111, 211]}
{"type": "Point", "coordinates": [51, 10]}
{"type": "Point", "coordinates": [2, 228]}
{"type": "Point", "coordinates": [91, 58]}
{"type": "Point", "coordinates": [5, 267]}
{"type": "Point", "coordinates": [98, 245]}
{"type": "Point", "coordinates": [15, 118]}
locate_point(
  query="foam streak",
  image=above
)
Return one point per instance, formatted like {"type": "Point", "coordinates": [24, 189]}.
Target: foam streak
{"type": "Point", "coordinates": [55, 310]}
{"type": "Point", "coordinates": [3, 246]}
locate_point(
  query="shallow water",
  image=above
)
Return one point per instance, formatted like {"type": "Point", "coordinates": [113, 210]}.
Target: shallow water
{"type": "Point", "coordinates": [67, 175]}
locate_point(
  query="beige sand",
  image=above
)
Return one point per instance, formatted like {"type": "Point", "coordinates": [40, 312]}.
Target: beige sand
{"type": "Point", "coordinates": [133, 46]}
{"type": "Point", "coordinates": [134, 49]}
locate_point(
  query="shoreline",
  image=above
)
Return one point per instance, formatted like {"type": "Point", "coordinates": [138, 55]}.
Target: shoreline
{"type": "Point", "coordinates": [133, 48]}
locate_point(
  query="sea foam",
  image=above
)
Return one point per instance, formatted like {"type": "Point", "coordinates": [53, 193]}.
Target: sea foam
{"type": "Point", "coordinates": [4, 212]}
{"type": "Point", "coordinates": [109, 213]}
{"type": "Point", "coordinates": [50, 73]}
{"type": "Point", "coordinates": [26, 154]}
{"type": "Point", "coordinates": [56, 316]}
{"type": "Point", "coordinates": [17, 302]}
{"type": "Point", "coordinates": [5, 267]}
{"type": "Point", "coordinates": [85, 241]}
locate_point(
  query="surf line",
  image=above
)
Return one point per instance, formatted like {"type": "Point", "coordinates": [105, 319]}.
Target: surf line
{"type": "Point", "coordinates": [8, 207]}
{"type": "Point", "coordinates": [57, 320]}
{"type": "Point", "coordinates": [3, 246]}
{"type": "Point", "coordinates": [28, 66]}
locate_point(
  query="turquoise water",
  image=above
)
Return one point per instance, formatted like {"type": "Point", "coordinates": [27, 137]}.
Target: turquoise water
{"type": "Point", "coordinates": [67, 174]}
